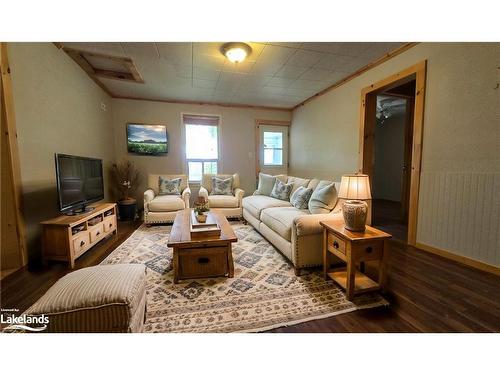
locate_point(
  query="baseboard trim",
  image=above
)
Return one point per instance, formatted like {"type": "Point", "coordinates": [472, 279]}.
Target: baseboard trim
{"type": "Point", "coordinates": [460, 258]}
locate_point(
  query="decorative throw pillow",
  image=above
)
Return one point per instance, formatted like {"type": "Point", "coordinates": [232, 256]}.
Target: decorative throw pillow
{"type": "Point", "coordinates": [222, 186]}
{"type": "Point", "coordinates": [169, 187]}
{"type": "Point", "coordinates": [281, 190]}
{"type": "Point", "coordinates": [300, 198]}
{"type": "Point", "coordinates": [323, 198]}
{"type": "Point", "coordinates": [266, 183]}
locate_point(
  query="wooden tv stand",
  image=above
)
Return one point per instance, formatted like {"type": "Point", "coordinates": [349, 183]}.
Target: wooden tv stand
{"type": "Point", "coordinates": [68, 237]}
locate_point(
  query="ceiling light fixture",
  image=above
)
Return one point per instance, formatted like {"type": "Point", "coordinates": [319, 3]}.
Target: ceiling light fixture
{"type": "Point", "coordinates": [236, 52]}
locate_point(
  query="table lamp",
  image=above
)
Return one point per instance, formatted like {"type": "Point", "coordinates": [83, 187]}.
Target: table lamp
{"type": "Point", "coordinates": [355, 188]}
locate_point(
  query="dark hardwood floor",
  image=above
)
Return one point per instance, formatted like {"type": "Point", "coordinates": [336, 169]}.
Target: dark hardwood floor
{"type": "Point", "coordinates": [427, 293]}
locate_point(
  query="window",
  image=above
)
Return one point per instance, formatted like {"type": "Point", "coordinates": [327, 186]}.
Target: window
{"type": "Point", "coordinates": [202, 146]}
{"type": "Point", "coordinates": [273, 148]}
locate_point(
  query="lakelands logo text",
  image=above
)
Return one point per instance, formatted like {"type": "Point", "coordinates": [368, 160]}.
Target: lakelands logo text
{"type": "Point", "coordinates": [23, 322]}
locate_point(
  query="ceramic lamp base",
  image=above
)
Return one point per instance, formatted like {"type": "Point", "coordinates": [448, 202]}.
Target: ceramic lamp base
{"type": "Point", "coordinates": [355, 214]}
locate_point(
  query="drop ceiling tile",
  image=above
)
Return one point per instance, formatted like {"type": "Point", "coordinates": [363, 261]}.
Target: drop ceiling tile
{"type": "Point", "coordinates": [227, 85]}
{"type": "Point", "coordinates": [242, 67]}
{"type": "Point", "coordinates": [204, 83]}
{"type": "Point", "coordinates": [318, 46]}
{"type": "Point", "coordinates": [299, 93]}
{"type": "Point", "coordinates": [183, 71]}
{"type": "Point", "coordinates": [305, 58]}
{"type": "Point", "coordinates": [176, 52]}
{"type": "Point", "coordinates": [280, 82]}
{"type": "Point", "coordinates": [290, 71]}
{"type": "Point", "coordinates": [141, 50]}
{"type": "Point", "coordinates": [275, 55]}
{"type": "Point", "coordinates": [350, 48]}
{"type": "Point", "coordinates": [208, 61]}
{"type": "Point", "coordinates": [210, 48]}
{"type": "Point", "coordinates": [252, 80]}
{"type": "Point", "coordinates": [353, 65]}
{"type": "Point", "coordinates": [306, 84]}
{"type": "Point", "coordinates": [273, 90]}
{"type": "Point", "coordinates": [316, 74]}
{"type": "Point", "coordinates": [267, 69]}
{"type": "Point", "coordinates": [203, 73]}
{"type": "Point", "coordinates": [331, 61]}
{"type": "Point", "coordinates": [336, 77]}
{"type": "Point", "coordinates": [257, 49]}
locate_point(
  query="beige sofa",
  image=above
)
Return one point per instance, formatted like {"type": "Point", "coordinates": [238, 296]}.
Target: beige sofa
{"type": "Point", "coordinates": [228, 205]}
{"type": "Point", "coordinates": [297, 234]}
{"type": "Point", "coordinates": [163, 208]}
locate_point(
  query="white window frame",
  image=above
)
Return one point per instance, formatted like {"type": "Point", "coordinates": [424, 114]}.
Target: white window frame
{"type": "Point", "coordinates": [272, 148]}
{"type": "Point", "coordinates": [203, 161]}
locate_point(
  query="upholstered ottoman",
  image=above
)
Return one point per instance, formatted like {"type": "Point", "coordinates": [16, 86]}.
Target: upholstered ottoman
{"type": "Point", "coordinates": [108, 298]}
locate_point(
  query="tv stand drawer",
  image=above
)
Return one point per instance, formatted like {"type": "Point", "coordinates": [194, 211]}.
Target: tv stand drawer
{"type": "Point", "coordinates": [96, 232]}
{"type": "Point", "coordinates": [109, 224]}
{"type": "Point", "coordinates": [81, 243]}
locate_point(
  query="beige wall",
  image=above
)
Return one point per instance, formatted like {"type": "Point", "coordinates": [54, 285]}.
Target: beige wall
{"type": "Point", "coordinates": [58, 109]}
{"type": "Point", "coordinates": [459, 208]}
{"type": "Point", "coordinates": [236, 136]}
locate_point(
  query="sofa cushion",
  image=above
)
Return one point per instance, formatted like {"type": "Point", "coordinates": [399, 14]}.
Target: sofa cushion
{"type": "Point", "coordinates": [297, 182]}
{"type": "Point", "coordinates": [281, 190]}
{"type": "Point", "coordinates": [166, 203]}
{"type": "Point", "coordinates": [266, 183]}
{"type": "Point", "coordinates": [154, 178]}
{"type": "Point", "coordinates": [300, 198]}
{"type": "Point", "coordinates": [254, 204]}
{"type": "Point", "coordinates": [280, 219]}
{"type": "Point", "coordinates": [107, 298]}
{"type": "Point", "coordinates": [313, 184]}
{"type": "Point", "coordinates": [169, 186]}
{"type": "Point", "coordinates": [323, 198]}
{"type": "Point", "coordinates": [206, 180]}
{"type": "Point", "coordinates": [222, 201]}
{"type": "Point", "coordinates": [222, 186]}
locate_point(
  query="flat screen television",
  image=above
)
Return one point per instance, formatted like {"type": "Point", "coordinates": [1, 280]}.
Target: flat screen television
{"type": "Point", "coordinates": [79, 182]}
{"type": "Point", "coordinates": [147, 139]}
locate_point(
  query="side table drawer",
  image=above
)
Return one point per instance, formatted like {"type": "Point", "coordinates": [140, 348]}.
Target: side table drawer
{"type": "Point", "coordinates": [336, 243]}
{"type": "Point", "coordinates": [368, 250]}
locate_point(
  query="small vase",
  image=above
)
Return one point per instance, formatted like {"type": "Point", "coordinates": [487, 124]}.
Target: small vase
{"type": "Point", "coordinates": [201, 218]}
{"type": "Point", "coordinates": [355, 213]}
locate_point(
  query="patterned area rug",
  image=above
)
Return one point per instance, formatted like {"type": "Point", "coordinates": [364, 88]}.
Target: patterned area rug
{"type": "Point", "coordinates": [264, 293]}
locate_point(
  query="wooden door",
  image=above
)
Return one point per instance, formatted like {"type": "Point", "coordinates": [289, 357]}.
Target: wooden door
{"type": "Point", "coordinates": [406, 168]}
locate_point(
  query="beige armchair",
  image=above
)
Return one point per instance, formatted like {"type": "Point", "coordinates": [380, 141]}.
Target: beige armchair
{"type": "Point", "coordinates": [229, 205]}
{"type": "Point", "coordinates": [163, 208]}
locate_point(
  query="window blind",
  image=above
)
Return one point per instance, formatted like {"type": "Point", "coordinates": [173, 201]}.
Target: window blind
{"type": "Point", "coordinates": [200, 120]}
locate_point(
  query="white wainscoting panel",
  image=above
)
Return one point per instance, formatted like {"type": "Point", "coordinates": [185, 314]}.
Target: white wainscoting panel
{"type": "Point", "coordinates": [460, 213]}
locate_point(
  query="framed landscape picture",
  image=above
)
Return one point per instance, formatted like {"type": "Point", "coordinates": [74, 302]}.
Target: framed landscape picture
{"type": "Point", "coordinates": [147, 139]}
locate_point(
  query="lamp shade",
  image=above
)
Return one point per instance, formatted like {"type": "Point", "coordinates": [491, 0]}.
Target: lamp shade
{"type": "Point", "coordinates": [355, 186]}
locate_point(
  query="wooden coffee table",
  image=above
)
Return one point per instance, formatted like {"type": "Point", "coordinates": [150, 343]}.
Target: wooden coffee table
{"type": "Point", "coordinates": [202, 257]}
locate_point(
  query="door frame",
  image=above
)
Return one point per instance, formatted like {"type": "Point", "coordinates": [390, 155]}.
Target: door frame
{"type": "Point", "coordinates": [367, 127]}
{"type": "Point", "coordinates": [259, 122]}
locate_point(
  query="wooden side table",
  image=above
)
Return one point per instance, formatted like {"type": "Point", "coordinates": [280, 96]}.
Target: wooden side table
{"type": "Point", "coordinates": [354, 248]}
